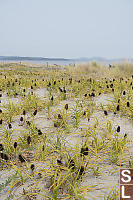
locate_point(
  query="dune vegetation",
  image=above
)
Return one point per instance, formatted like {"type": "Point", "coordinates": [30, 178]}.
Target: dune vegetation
{"type": "Point", "coordinates": [65, 131]}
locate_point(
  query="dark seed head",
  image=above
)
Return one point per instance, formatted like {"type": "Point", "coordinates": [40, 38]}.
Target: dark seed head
{"type": "Point", "coordinates": [111, 85]}
{"type": "Point", "coordinates": [124, 93]}
{"type": "Point", "coordinates": [105, 112]}
{"type": "Point", "coordinates": [49, 84]}
{"type": "Point", "coordinates": [24, 112]}
{"type": "Point", "coordinates": [55, 124]}
{"type": "Point", "coordinates": [28, 139]}
{"type": "Point", "coordinates": [15, 145]}
{"type": "Point", "coordinates": [92, 94]}
{"type": "Point", "coordinates": [118, 129]}
{"type": "Point", "coordinates": [59, 116]}
{"type": "Point", "coordinates": [0, 121]}
{"type": "Point", "coordinates": [84, 151]}
{"type": "Point", "coordinates": [1, 154]}
{"type": "Point", "coordinates": [84, 113]}
{"type": "Point", "coordinates": [0, 95]}
{"type": "Point", "coordinates": [66, 106]}
{"type": "Point", "coordinates": [118, 108]}
{"type": "Point", "coordinates": [60, 89]}
{"type": "Point", "coordinates": [32, 167]}
{"type": "Point", "coordinates": [59, 162]}
{"type": "Point", "coordinates": [35, 112]}
{"type": "Point", "coordinates": [52, 98]}
{"type": "Point", "coordinates": [0, 111]}
{"type": "Point", "coordinates": [10, 126]}
{"type": "Point", "coordinates": [128, 104]}
{"type": "Point", "coordinates": [43, 148]}
{"type": "Point", "coordinates": [81, 171]}
{"type": "Point", "coordinates": [21, 119]}
{"type": "Point", "coordinates": [31, 87]}
{"type": "Point", "coordinates": [28, 123]}
{"type": "Point", "coordinates": [1, 147]}
{"type": "Point", "coordinates": [125, 135]}
{"type": "Point", "coordinates": [4, 156]}
{"type": "Point", "coordinates": [39, 132]}
{"type": "Point", "coordinates": [21, 158]}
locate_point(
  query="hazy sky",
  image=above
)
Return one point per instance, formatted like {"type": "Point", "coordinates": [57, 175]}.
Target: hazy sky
{"type": "Point", "coordinates": [66, 28]}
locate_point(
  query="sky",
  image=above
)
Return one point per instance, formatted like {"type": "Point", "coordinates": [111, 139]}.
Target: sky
{"type": "Point", "coordinates": [66, 28]}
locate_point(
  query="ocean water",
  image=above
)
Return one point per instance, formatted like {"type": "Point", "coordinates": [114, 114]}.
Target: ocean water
{"type": "Point", "coordinates": [43, 62]}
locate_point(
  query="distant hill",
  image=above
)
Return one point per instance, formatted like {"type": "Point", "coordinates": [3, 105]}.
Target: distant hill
{"type": "Point", "coordinates": [19, 58]}
{"type": "Point", "coordinates": [62, 60]}
{"type": "Point", "coordinates": [100, 59]}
